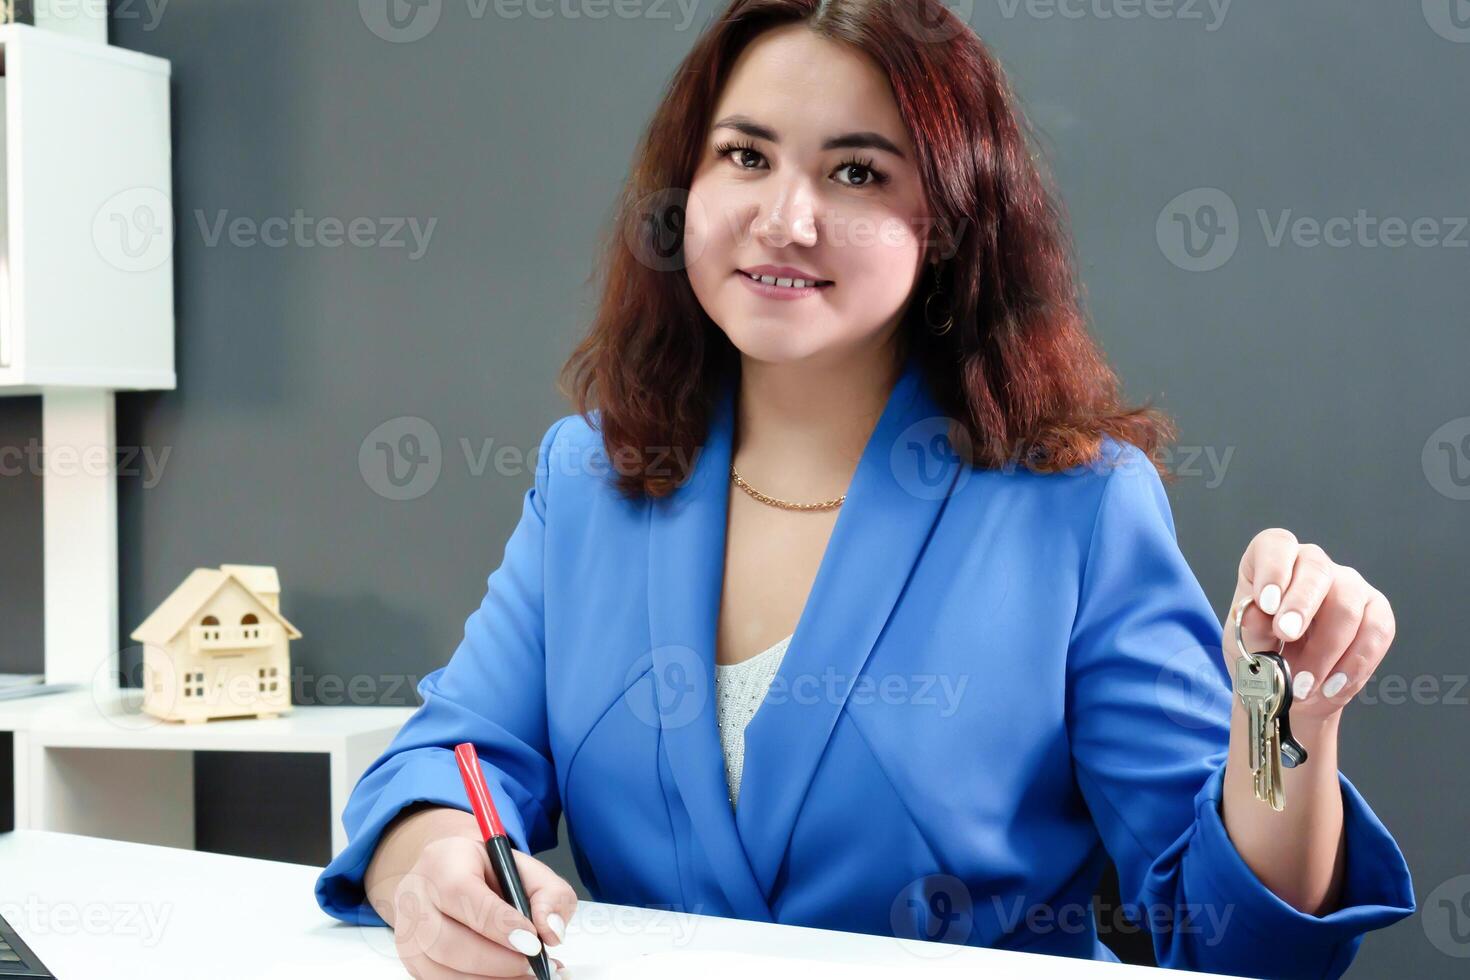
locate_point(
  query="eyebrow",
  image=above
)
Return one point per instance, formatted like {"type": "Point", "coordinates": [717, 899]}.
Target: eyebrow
{"type": "Point", "coordinates": [846, 141]}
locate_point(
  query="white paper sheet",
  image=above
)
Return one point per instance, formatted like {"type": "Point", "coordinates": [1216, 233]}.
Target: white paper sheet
{"type": "Point", "coordinates": [715, 965]}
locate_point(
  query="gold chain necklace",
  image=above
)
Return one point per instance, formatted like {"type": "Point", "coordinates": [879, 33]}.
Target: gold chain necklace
{"type": "Point", "coordinates": [739, 481]}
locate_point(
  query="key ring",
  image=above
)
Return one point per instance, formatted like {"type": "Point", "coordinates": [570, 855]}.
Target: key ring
{"type": "Point", "coordinates": [1240, 640]}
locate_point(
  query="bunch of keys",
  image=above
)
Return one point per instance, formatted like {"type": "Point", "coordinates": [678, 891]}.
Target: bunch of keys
{"type": "Point", "coordinates": [1263, 683]}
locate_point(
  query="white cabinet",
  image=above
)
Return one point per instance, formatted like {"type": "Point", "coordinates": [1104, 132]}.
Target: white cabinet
{"type": "Point", "coordinates": [86, 293]}
{"type": "Point", "coordinates": [92, 762]}
{"type": "Point", "coordinates": [86, 218]}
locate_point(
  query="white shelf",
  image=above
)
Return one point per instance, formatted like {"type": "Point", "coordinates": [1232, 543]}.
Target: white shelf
{"type": "Point", "coordinates": [90, 762]}
{"type": "Point", "coordinates": [86, 270]}
{"type": "Point", "coordinates": [115, 720]}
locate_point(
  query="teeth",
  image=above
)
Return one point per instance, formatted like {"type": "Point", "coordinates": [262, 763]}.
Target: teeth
{"type": "Point", "coordinates": [788, 283]}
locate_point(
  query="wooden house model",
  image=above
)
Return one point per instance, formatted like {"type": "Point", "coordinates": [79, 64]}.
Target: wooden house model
{"type": "Point", "coordinates": [218, 647]}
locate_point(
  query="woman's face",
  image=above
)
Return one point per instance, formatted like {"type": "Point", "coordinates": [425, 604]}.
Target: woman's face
{"type": "Point", "coordinates": [808, 166]}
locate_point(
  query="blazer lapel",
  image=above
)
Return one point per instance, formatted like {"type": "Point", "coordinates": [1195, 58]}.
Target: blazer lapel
{"type": "Point", "coordinates": [896, 494]}
{"type": "Point", "coordinates": [685, 578]}
{"type": "Point", "coordinates": [898, 491]}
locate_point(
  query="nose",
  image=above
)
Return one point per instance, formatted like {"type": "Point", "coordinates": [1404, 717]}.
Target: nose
{"type": "Point", "coordinates": [791, 219]}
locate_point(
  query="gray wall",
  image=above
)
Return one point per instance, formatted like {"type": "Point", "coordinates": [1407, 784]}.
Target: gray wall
{"type": "Point", "coordinates": [1310, 381]}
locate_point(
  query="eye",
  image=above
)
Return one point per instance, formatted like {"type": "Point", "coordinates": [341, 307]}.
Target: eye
{"type": "Point", "coordinates": [737, 152]}
{"type": "Point", "coordinates": [872, 177]}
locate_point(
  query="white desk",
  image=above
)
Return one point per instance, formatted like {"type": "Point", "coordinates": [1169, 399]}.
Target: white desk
{"type": "Point", "coordinates": [91, 762]}
{"type": "Point", "coordinates": [91, 907]}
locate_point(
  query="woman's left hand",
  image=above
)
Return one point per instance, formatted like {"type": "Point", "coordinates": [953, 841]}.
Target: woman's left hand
{"type": "Point", "coordinates": [1337, 626]}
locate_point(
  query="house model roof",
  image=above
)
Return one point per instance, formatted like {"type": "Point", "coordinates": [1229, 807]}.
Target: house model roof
{"type": "Point", "coordinates": [260, 579]}
{"type": "Point", "coordinates": [184, 603]}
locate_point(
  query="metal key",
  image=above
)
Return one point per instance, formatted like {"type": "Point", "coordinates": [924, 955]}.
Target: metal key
{"type": "Point", "coordinates": [1275, 789]}
{"type": "Point", "coordinates": [1259, 684]}
{"type": "Point", "coordinates": [1263, 683]}
{"type": "Point", "coordinates": [1292, 752]}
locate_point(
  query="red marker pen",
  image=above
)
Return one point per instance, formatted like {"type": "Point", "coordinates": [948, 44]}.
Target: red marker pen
{"type": "Point", "coordinates": [497, 844]}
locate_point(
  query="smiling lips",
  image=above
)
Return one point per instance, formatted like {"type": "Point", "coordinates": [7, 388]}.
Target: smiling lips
{"type": "Point", "coordinates": [782, 281]}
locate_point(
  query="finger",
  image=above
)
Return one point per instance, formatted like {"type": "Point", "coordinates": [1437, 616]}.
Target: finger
{"type": "Point", "coordinates": [1266, 567]}
{"type": "Point", "coordinates": [466, 951]}
{"type": "Point", "coordinates": [1337, 623]}
{"type": "Point", "coordinates": [468, 899]}
{"type": "Point", "coordinates": [416, 923]}
{"type": "Point", "coordinates": [424, 968]}
{"type": "Point", "coordinates": [1364, 654]}
{"type": "Point", "coordinates": [553, 901]}
{"type": "Point", "coordinates": [415, 916]}
{"type": "Point", "coordinates": [1311, 580]}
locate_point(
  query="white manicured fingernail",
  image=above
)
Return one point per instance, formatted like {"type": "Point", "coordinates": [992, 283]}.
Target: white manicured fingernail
{"type": "Point", "coordinates": [1291, 624]}
{"type": "Point", "coordinates": [1334, 684]}
{"type": "Point", "coordinates": [558, 926]}
{"type": "Point", "coordinates": [1270, 599]}
{"type": "Point", "coordinates": [1301, 684]}
{"type": "Point", "coordinates": [525, 941]}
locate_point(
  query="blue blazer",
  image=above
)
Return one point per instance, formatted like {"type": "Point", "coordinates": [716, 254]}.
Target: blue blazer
{"type": "Point", "coordinates": [1000, 679]}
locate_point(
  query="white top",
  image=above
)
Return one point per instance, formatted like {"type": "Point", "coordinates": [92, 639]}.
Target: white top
{"type": "Point", "coordinates": [739, 690]}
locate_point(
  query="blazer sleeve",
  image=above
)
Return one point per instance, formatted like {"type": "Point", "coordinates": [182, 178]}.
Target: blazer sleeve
{"type": "Point", "coordinates": [1148, 714]}
{"type": "Point", "coordinates": [491, 692]}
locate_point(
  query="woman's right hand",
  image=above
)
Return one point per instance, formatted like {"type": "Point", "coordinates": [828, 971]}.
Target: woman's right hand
{"type": "Point", "coordinates": [450, 921]}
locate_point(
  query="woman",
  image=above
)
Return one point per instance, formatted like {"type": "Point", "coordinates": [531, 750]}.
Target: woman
{"type": "Point", "coordinates": [845, 452]}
